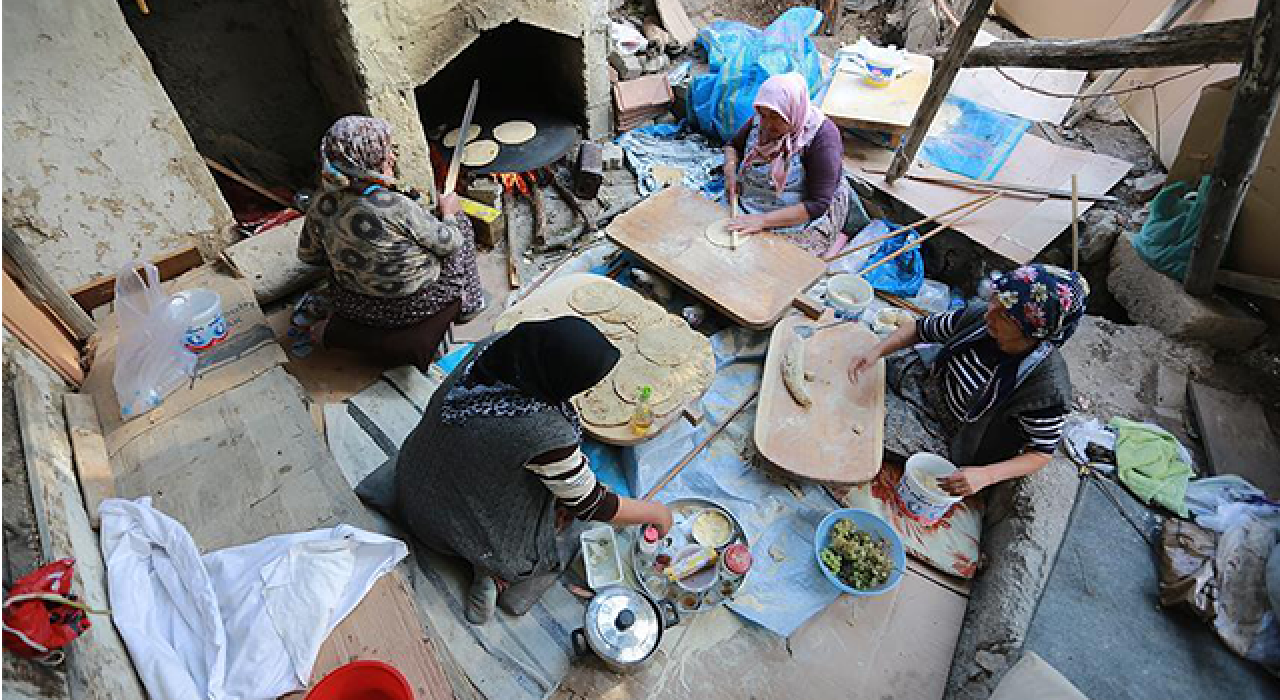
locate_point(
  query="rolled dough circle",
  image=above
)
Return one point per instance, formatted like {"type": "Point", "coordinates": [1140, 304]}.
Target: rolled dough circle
{"type": "Point", "coordinates": [451, 138]}
{"type": "Point", "coordinates": [514, 133]}
{"type": "Point", "coordinates": [614, 331]}
{"type": "Point", "coordinates": [717, 233]}
{"type": "Point", "coordinates": [480, 153]}
{"type": "Point", "coordinates": [666, 344]}
{"type": "Point", "coordinates": [601, 406]}
{"type": "Point", "coordinates": [635, 372]}
{"type": "Point", "coordinates": [595, 298]}
{"type": "Point", "coordinates": [651, 314]}
{"type": "Point", "coordinates": [629, 308]}
{"type": "Point", "coordinates": [506, 322]}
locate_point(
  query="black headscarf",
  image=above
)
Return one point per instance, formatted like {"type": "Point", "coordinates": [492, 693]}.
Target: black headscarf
{"type": "Point", "coordinates": [549, 360]}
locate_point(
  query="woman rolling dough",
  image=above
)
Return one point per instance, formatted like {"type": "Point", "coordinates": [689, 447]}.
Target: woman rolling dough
{"type": "Point", "coordinates": [999, 388]}
{"type": "Point", "coordinates": [790, 180]}
{"type": "Point", "coordinates": [496, 462]}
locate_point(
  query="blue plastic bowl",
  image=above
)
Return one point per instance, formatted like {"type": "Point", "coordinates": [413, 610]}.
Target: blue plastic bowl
{"type": "Point", "coordinates": [867, 522]}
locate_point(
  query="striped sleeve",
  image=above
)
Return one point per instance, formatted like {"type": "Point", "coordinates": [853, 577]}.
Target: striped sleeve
{"type": "Point", "coordinates": [570, 479]}
{"type": "Point", "coordinates": [938, 328]}
{"type": "Point", "coordinates": [1042, 429]}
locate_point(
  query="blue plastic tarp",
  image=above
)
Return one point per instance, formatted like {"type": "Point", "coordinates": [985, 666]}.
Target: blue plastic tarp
{"type": "Point", "coordinates": [972, 140]}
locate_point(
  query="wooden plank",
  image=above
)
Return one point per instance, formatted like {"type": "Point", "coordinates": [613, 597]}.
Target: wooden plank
{"type": "Point", "coordinates": [1245, 133]}
{"type": "Point", "coordinates": [676, 21]}
{"type": "Point", "coordinates": [242, 180]}
{"type": "Point", "coordinates": [752, 285]}
{"type": "Point", "coordinates": [40, 334]}
{"type": "Point", "coordinates": [943, 76]}
{"type": "Point", "coordinates": [269, 261]}
{"type": "Point", "coordinates": [1189, 45]}
{"type": "Point", "coordinates": [103, 290]}
{"type": "Point", "coordinates": [551, 301]}
{"type": "Point", "coordinates": [93, 467]}
{"type": "Point", "coordinates": [40, 283]}
{"type": "Point", "coordinates": [840, 438]}
{"type": "Point", "coordinates": [1251, 284]}
{"type": "Point", "coordinates": [1237, 438]}
{"type": "Point", "coordinates": [853, 104]}
{"type": "Point", "coordinates": [98, 665]}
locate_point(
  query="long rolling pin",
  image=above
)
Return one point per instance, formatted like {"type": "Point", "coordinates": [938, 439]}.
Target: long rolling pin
{"type": "Point", "coordinates": [976, 202]}
{"type": "Point", "coordinates": [701, 446]}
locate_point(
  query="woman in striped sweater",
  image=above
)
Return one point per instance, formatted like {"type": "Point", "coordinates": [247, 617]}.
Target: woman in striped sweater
{"type": "Point", "coordinates": [1003, 384]}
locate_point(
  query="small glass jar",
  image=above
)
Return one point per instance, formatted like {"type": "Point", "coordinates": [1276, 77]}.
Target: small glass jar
{"type": "Point", "coordinates": [735, 563]}
{"type": "Point", "coordinates": [647, 540]}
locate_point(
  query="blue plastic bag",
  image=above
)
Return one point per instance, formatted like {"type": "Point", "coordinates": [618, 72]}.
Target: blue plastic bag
{"type": "Point", "coordinates": [904, 275]}
{"type": "Point", "coordinates": [741, 58]}
{"type": "Point", "coordinates": [1169, 232]}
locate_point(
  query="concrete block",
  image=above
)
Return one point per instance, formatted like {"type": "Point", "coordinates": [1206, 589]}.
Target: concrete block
{"type": "Point", "coordinates": [488, 192]}
{"type": "Point", "coordinates": [657, 63]}
{"type": "Point", "coordinates": [613, 156]}
{"type": "Point", "coordinates": [1159, 301]}
{"type": "Point", "coordinates": [628, 67]}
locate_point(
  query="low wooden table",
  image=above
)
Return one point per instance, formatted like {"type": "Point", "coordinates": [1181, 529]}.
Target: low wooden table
{"type": "Point", "coordinates": [752, 285]}
{"type": "Point", "coordinates": [820, 442]}
{"type": "Point", "coordinates": [853, 104]}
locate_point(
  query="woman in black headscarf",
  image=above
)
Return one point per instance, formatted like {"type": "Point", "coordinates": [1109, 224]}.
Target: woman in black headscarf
{"type": "Point", "coordinates": [497, 454]}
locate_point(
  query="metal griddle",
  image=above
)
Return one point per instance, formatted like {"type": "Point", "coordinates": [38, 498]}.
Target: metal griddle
{"type": "Point", "coordinates": [556, 137]}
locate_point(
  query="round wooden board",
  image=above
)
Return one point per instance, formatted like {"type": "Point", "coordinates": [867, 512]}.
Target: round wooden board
{"type": "Point", "coordinates": [551, 301]}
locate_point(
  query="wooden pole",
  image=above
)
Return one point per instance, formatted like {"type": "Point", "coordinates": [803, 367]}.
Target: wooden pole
{"type": "Point", "coordinates": [41, 285]}
{"type": "Point", "coordinates": [1075, 223]}
{"type": "Point", "coordinates": [701, 446]}
{"type": "Point", "coordinates": [1253, 107]}
{"type": "Point", "coordinates": [1088, 98]}
{"type": "Point", "coordinates": [942, 226]}
{"type": "Point", "coordinates": [1188, 45]}
{"type": "Point", "coordinates": [943, 75]}
{"type": "Point", "coordinates": [979, 201]}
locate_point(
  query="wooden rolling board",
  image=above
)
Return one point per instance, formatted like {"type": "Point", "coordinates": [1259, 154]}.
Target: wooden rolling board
{"type": "Point", "coordinates": [852, 103]}
{"type": "Point", "coordinates": [551, 301]}
{"type": "Point", "coordinates": [818, 442]}
{"type": "Point", "coordinates": [753, 285]}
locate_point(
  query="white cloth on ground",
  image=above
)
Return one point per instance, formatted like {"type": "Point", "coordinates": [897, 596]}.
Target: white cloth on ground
{"type": "Point", "coordinates": [236, 624]}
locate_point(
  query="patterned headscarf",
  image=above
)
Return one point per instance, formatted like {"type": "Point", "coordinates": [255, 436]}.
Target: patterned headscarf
{"type": "Point", "coordinates": [788, 95]}
{"type": "Point", "coordinates": [354, 149]}
{"type": "Point", "coordinates": [1046, 301]}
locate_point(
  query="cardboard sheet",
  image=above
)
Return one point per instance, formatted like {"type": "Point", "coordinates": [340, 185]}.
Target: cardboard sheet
{"type": "Point", "coordinates": [987, 87]}
{"type": "Point", "coordinates": [1016, 227]}
{"type": "Point", "coordinates": [249, 350]}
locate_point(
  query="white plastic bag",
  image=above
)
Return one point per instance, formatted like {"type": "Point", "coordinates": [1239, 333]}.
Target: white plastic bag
{"type": "Point", "coordinates": [150, 358]}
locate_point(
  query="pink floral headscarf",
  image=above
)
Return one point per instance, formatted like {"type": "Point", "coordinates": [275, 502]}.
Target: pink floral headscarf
{"type": "Point", "coordinates": [355, 149]}
{"type": "Point", "coordinates": [788, 95]}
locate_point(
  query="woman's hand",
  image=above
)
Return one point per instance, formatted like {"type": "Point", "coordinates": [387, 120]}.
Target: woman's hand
{"type": "Point", "coordinates": [449, 205]}
{"type": "Point", "coordinates": [863, 360]}
{"type": "Point", "coordinates": [747, 223]}
{"type": "Point", "coordinates": [966, 481]}
{"type": "Point", "coordinates": [662, 518]}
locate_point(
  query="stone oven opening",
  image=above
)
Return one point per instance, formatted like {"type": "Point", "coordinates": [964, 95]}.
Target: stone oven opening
{"type": "Point", "coordinates": [526, 73]}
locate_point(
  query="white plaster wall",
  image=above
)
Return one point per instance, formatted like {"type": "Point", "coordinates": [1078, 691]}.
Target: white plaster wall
{"type": "Point", "coordinates": [98, 169]}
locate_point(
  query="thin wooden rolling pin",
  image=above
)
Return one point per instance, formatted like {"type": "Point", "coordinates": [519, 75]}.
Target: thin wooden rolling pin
{"type": "Point", "coordinates": [701, 446]}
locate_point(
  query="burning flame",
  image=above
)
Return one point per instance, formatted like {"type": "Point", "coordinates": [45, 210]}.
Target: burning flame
{"type": "Point", "coordinates": [515, 182]}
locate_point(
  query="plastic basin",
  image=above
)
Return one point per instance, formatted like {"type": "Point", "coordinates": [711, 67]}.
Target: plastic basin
{"type": "Point", "coordinates": [867, 522]}
{"type": "Point", "coordinates": [363, 680]}
{"type": "Point", "coordinates": [850, 293]}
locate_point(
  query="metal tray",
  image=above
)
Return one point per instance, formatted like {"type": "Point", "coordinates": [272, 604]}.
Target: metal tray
{"type": "Point", "coordinates": [688, 603]}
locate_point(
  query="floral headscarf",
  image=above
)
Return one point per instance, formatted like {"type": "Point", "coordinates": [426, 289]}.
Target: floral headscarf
{"type": "Point", "coordinates": [1047, 302]}
{"type": "Point", "coordinates": [788, 95]}
{"type": "Point", "coordinates": [354, 149]}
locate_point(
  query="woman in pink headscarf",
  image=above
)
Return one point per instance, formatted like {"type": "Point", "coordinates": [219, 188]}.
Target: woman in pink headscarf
{"type": "Point", "coordinates": [790, 180]}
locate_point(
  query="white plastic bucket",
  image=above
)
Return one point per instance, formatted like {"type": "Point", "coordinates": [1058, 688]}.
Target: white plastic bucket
{"type": "Point", "coordinates": [208, 326]}
{"type": "Point", "coordinates": [850, 294]}
{"type": "Point", "coordinates": [918, 492]}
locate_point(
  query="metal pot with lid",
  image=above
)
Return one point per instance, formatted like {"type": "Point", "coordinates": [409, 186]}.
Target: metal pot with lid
{"type": "Point", "coordinates": [623, 627]}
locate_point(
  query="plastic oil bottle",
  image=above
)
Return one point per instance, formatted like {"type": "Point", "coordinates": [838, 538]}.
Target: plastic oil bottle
{"type": "Point", "coordinates": [642, 419]}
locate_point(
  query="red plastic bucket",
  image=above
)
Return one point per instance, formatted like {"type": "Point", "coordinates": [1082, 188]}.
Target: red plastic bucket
{"type": "Point", "coordinates": [363, 680]}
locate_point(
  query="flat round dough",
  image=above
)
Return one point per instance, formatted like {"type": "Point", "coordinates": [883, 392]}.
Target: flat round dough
{"type": "Point", "coordinates": [614, 331]}
{"type": "Point", "coordinates": [506, 322]}
{"type": "Point", "coordinates": [665, 344]}
{"type": "Point", "coordinates": [630, 307]}
{"type": "Point", "coordinates": [719, 235]}
{"type": "Point", "coordinates": [514, 133]}
{"type": "Point", "coordinates": [480, 153]}
{"type": "Point", "coordinates": [651, 314]}
{"type": "Point", "coordinates": [601, 406]}
{"type": "Point", "coordinates": [595, 298]}
{"type": "Point", "coordinates": [451, 138]}
{"type": "Point", "coordinates": [634, 372]}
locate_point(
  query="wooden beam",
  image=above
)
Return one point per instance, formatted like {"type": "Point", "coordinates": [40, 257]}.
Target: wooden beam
{"type": "Point", "coordinates": [237, 177]}
{"type": "Point", "coordinates": [98, 665]}
{"type": "Point", "coordinates": [31, 325]}
{"type": "Point", "coordinates": [93, 467]}
{"type": "Point", "coordinates": [41, 287]}
{"type": "Point", "coordinates": [1250, 284]}
{"type": "Point", "coordinates": [1188, 45]}
{"type": "Point", "coordinates": [1253, 107]}
{"type": "Point", "coordinates": [944, 73]}
{"type": "Point", "coordinates": [103, 289]}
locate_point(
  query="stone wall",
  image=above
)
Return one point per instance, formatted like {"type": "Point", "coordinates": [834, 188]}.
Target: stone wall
{"type": "Point", "coordinates": [99, 170]}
